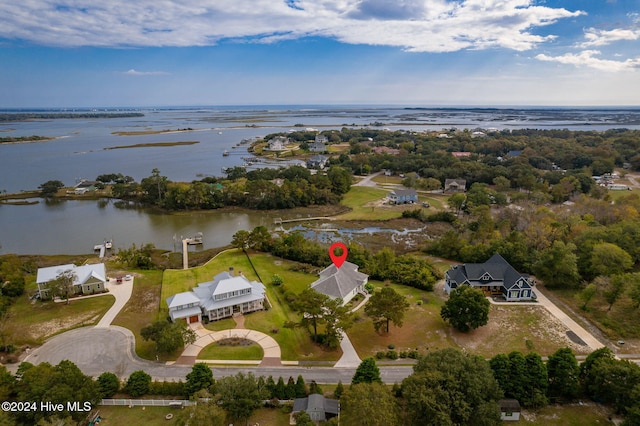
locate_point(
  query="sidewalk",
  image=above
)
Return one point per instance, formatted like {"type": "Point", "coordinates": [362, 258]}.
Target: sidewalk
{"type": "Point", "coordinates": [271, 349]}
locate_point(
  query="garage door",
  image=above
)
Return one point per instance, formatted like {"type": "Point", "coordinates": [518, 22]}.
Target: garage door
{"type": "Point", "coordinates": [193, 319]}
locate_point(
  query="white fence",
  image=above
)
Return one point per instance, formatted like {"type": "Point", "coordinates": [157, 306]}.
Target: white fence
{"type": "Point", "coordinates": [148, 402]}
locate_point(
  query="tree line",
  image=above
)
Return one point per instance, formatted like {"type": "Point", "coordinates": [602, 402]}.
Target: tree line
{"type": "Point", "coordinates": [447, 386]}
{"type": "Point", "coordinates": [257, 189]}
{"type": "Point", "coordinates": [383, 265]}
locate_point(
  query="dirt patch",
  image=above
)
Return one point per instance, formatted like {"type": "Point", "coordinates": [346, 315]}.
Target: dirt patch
{"type": "Point", "coordinates": [45, 329]}
{"type": "Point", "coordinates": [524, 328]}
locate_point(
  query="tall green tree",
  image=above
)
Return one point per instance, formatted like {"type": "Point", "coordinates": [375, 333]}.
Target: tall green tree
{"type": "Point", "coordinates": [367, 372]}
{"type": "Point", "coordinates": [337, 320]}
{"type": "Point", "coordinates": [58, 384]}
{"type": "Point", "coordinates": [564, 375]}
{"type": "Point", "coordinates": [369, 404]}
{"type": "Point", "coordinates": [385, 306]}
{"type": "Point", "coordinates": [50, 187]}
{"type": "Point", "coordinates": [609, 259]}
{"type": "Point", "coordinates": [537, 380]}
{"type": "Point", "coordinates": [62, 285]}
{"type": "Point", "coordinates": [558, 266]}
{"type": "Point", "coordinates": [301, 387]}
{"type": "Point", "coordinates": [449, 387]}
{"type": "Point", "coordinates": [240, 395]}
{"type": "Point", "coordinates": [168, 336]}
{"type": "Point", "coordinates": [137, 384]}
{"type": "Point", "coordinates": [200, 377]}
{"type": "Point", "coordinates": [467, 308]}
{"type": "Point", "coordinates": [108, 384]}
{"type": "Point", "coordinates": [310, 304]}
{"type": "Point", "coordinates": [154, 187]}
{"type": "Point", "coordinates": [207, 412]}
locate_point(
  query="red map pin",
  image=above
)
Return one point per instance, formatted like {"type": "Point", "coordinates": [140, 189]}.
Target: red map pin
{"type": "Point", "coordinates": [338, 260]}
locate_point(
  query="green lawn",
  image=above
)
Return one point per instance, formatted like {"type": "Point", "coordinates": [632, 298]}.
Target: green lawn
{"type": "Point", "coordinates": [216, 351]}
{"type": "Point", "coordinates": [358, 199]}
{"type": "Point", "coordinates": [295, 344]}
{"type": "Point", "coordinates": [142, 309]}
{"type": "Point", "coordinates": [423, 328]}
{"type": "Point", "coordinates": [223, 324]}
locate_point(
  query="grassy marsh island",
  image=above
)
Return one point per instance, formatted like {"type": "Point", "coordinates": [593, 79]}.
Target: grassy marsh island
{"type": "Point", "coordinates": [153, 144]}
{"type": "Point", "coordinates": [151, 132]}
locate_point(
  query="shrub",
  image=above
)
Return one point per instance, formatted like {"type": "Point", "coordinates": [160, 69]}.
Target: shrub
{"type": "Point", "coordinates": [403, 354]}
{"type": "Point", "coordinates": [381, 355]}
{"type": "Point", "coordinates": [392, 355]}
{"type": "Point", "coordinates": [391, 346]}
{"type": "Point", "coordinates": [413, 354]}
{"type": "Point", "coordinates": [138, 384]}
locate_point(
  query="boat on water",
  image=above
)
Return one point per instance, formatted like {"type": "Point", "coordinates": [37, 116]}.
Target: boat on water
{"type": "Point", "coordinates": [107, 244]}
{"type": "Point", "coordinates": [225, 153]}
{"type": "Point", "coordinates": [196, 239]}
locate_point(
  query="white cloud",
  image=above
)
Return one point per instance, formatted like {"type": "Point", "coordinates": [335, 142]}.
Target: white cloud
{"type": "Point", "coordinates": [414, 25]}
{"type": "Point", "coordinates": [597, 37]}
{"type": "Point", "coordinates": [135, 72]}
{"type": "Point", "coordinates": [588, 58]}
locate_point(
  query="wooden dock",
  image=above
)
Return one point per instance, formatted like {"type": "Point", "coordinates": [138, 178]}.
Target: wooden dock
{"type": "Point", "coordinates": [280, 221]}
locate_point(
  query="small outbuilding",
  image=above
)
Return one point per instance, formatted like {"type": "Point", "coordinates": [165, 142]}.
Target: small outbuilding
{"type": "Point", "coordinates": [509, 410]}
{"type": "Point", "coordinates": [319, 408]}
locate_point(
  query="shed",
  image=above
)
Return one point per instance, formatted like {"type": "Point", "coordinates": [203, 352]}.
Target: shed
{"type": "Point", "coordinates": [509, 410]}
{"type": "Point", "coordinates": [318, 407]}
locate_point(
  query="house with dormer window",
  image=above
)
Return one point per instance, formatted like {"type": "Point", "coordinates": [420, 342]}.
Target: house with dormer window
{"type": "Point", "coordinates": [225, 295]}
{"type": "Point", "coordinates": [495, 277]}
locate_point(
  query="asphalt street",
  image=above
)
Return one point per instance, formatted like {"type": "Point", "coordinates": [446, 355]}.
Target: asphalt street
{"type": "Point", "coordinates": [96, 350]}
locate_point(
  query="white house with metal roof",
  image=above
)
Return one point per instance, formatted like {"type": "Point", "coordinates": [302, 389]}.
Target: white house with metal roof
{"type": "Point", "coordinates": [88, 279]}
{"type": "Point", "coordinates": [220, 298]}
{"type": "Point", "coordinates": [344, 282]}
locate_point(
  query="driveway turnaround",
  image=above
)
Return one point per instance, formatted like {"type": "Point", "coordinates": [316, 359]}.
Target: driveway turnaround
{"type": "Point", "coordinates": [270, 347]}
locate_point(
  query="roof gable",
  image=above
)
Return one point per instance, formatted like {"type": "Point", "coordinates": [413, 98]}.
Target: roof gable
{"type": "Point", "coordinates": [339, 282]}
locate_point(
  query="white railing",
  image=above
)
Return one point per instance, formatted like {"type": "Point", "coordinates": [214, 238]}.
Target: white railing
{"type": "Point", "coordinates": [148, 402]}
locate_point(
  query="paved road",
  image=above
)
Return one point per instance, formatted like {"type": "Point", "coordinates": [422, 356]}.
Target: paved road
{"type": "Point", "coordinates": [96, 350]}
{"type": "Point", "coordinates": [367, 181]}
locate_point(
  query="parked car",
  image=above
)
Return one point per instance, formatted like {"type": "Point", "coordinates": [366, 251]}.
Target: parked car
{"type": "Point", "coordinates": [128, 277]}
{"type": "Point", "coordinates": [119, 280]}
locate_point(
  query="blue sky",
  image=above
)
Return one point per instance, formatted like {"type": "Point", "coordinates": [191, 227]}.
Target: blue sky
{"type": "Point", "coordinates": [65, 53]}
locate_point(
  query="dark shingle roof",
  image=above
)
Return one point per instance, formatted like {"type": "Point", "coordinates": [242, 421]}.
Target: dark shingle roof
{"type": "Point", "coordinates": [496, 267]}
{"type": "Point", "coordinates": [317, 406]}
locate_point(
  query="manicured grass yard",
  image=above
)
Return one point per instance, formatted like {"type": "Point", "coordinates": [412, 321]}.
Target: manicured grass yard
{"type": "Point", "coordinates": [142, 309]}
{"type": "Point", "coordinates": [360, 199]}
{"type": "Point", "coordinates": [295, 344]}
{"type": "Point", "coordinates": [216, 351]}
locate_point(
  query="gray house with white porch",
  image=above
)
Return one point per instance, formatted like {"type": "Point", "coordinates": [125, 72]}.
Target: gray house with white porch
{"type": "Point", "coordinates": [225, 295]}
{"type": "Point", "coordinates": [495, 277]}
